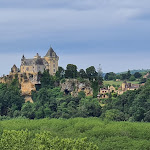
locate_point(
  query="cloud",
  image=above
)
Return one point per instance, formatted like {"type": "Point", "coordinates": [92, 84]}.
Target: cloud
{"type": "Point", "coordinates": [76, 27]}
{"type": "Point", "coordinates": [26, 23]}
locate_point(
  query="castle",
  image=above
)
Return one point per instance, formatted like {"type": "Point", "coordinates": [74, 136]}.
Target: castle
{"type": "Point", "coordinates": [39, 64]}
{"type": "Point", "coordinates": [29, 69]}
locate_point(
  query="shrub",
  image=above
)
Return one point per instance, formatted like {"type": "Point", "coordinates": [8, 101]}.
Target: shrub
{"type": "Point", "coordinates": [23, 140]}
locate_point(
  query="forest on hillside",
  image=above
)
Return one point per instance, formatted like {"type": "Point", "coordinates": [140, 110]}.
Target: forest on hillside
{"type": "Point", "coordinates": [50, 102]}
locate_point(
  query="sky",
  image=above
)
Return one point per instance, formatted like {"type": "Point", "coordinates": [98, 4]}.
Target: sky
{"type": "Point", "coordinates": [113, 33]}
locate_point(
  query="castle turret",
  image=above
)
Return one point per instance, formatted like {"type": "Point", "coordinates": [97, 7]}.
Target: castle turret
{"type": "Point", "coordinates": [14, 69]}
{"type": "Point", "coordinates": [52, 59]}
{"type": "Point", "coordinates": [124, 86]}
{"type": "Point", "coordinates": [23, 58]}
{"type": "Point", "coordinates": [37, 56]}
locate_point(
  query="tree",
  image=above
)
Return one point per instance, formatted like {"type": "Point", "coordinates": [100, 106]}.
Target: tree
{"type": "Point", "coordinates": [27, 110]}
{"type": "Point", "coordinates": [128, 74]}
{"type": "Point", "coordinates": [143, 80]}
{"type": "Point", "coordinates": [82, 74]}
{"type": "Point", "coordinates": [114, 115]}
{"type": "Point", "coordinates": [47, 80]}
{"type": "Point", "coordinates": [71, 71]}
{"type": "Point", "coordinates": [10, 98]}
{"type": "Point", "coordinates": [123, 76]}
{"type": "Point", "coordinates": [100, 76]}
{"type": "Point", "coordinates": [60, 73]}
{"type": "Point", "coordinates": [81, 94]}
{"type": "Point", "coordinates": [132, 78]}
{"type": "Point", "coordinates": [26, 140]}
{"type": "Point", "coordinates": [91, 72]}
{"type": "Point", "coordinates": [137, 75]}
{"type": "Point", "coordinates": [89, 107]}
{"type": "Point", "coordinates": [110, 76]}
{"type": "Point", "coordinates": [147, 116]}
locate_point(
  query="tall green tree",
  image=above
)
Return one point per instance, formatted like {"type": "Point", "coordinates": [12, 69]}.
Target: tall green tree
{"type": "Point", "coordinates": [91, 72]}
{"type": "Point", "coordinates": [60, 73]}
{"type": "Point", "coordinates": [128, 75]}
{"type": "Point", "coordinates": [137, 75]}
{"type": "Point", "coordinates": [47, 80]}
{"type": "Point", "coordinates": [110, 76]}
{"type": "Point", "coordinates": [82, 74]}
{"type": "Point", "coordinates": [71, 71]}
{"type": "Point", "coordinates": [10, 98]}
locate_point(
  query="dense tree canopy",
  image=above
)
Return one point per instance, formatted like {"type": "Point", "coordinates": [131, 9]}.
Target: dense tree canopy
{"type": "Point", "coordinates": [110, 76]}
{"type": "Point", "coordinates": [82, 74]}
{"type": "Point", "coordinates": [132, 105]}
{"type": "Point", "coordinates": [10, 98]}
{"type": "Point", "coordinates": [91, 72]}
{"type": "Point", "coordinates": [71, 71]}
{"type": "Point", "coordinates": [51, 102]}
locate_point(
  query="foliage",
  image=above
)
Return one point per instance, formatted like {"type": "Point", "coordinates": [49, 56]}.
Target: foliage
{"type": "Point", "coordinates": [143, 80]}
{"type": "Point", "coordinates": [137, 75]}
{"type": "Point", "coordinates": [47, 80]}
{"type": "Point", "coordinates": [123, 76]}
{"type": "Point", "coordinates": [82, 74]}
{"type": "Point", "coordinates": [60, 73]}
{"type": "Point", "coordinates": [110, 76]}
{"type": "Point", "coordinates": [95, 88]}
{"type": "Point", "coordinates": [132, 78]}
{"type": "Point", "coordinates": [10, 98]}
{"type": "Point", "coordinates": [71, 71]}
{"type": "Point", "coordinates": [81, 94]}
{"type": "Point", "coordinates": [91, 73]}
{"type": "Point", "coordinates": [105, 134]}
{"type": "Point", "coordinates": [23, 140]}
{"type": "Point", "coordinates": [135, 105]}
{"type": "Point", "coordinates": [53, 103]}
{"type": "Point", "coordinates": [114, 115]}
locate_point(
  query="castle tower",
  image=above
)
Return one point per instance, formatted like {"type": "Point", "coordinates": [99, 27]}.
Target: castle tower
{"type": "Point", "coordinates": [37, 56]}
{"type": "Point", "coordinates": [22, 60]}
{"type": "Point", "coordinates": [124, 86]}
{"type": "Point", "coordinates": [52, 60]}
{"type": "Point", "coordinates": [14, 69]}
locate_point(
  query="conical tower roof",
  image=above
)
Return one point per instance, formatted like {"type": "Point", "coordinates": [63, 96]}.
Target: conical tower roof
{"type": "Point", "coordinates": [50, 52]}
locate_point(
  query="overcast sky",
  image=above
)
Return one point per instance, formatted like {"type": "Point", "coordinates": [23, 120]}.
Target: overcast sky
{"type": "Point", "coordinates": [113, 33]}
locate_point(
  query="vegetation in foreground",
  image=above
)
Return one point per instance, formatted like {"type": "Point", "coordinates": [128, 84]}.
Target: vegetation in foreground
{"type": "Point", "coordinates": [77, 133]}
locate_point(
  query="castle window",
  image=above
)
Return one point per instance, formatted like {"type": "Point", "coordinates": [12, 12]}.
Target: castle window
{"type": "Point", "coordinates": [54, 70]}
{"type": "Point", "coordinates": [27, 68]}
{"type": "Point", "coordinates": [53, 61]}
{"type": "Point", "coordinates": [54, 65]}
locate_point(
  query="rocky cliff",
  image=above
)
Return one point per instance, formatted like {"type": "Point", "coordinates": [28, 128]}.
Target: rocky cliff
{"type": "Point", "coordinates": [28, 84]}
{"type": "Point", "coordinates": [74, 86]}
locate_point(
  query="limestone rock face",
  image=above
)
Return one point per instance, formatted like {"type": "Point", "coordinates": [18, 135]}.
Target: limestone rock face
{"type": "Point", "coordinates": [73, 86]}
{"type": "Point", "coordinates": [27, 88]}
{"type": "Point", "coordinates": [28, 99]}
{"type": "Point", "coordinates": [27, 83]}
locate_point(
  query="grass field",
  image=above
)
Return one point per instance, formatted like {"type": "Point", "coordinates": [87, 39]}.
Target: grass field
{"type": "Point", "coordinates": [106, 135]}
{"type": "Point", "coordinates": [118, 82]}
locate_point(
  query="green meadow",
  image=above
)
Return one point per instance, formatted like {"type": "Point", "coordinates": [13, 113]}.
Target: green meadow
{"type": "Point", "coordinates": [105, 135]}
{"type": "Point", "coordinates": [118, 83]}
